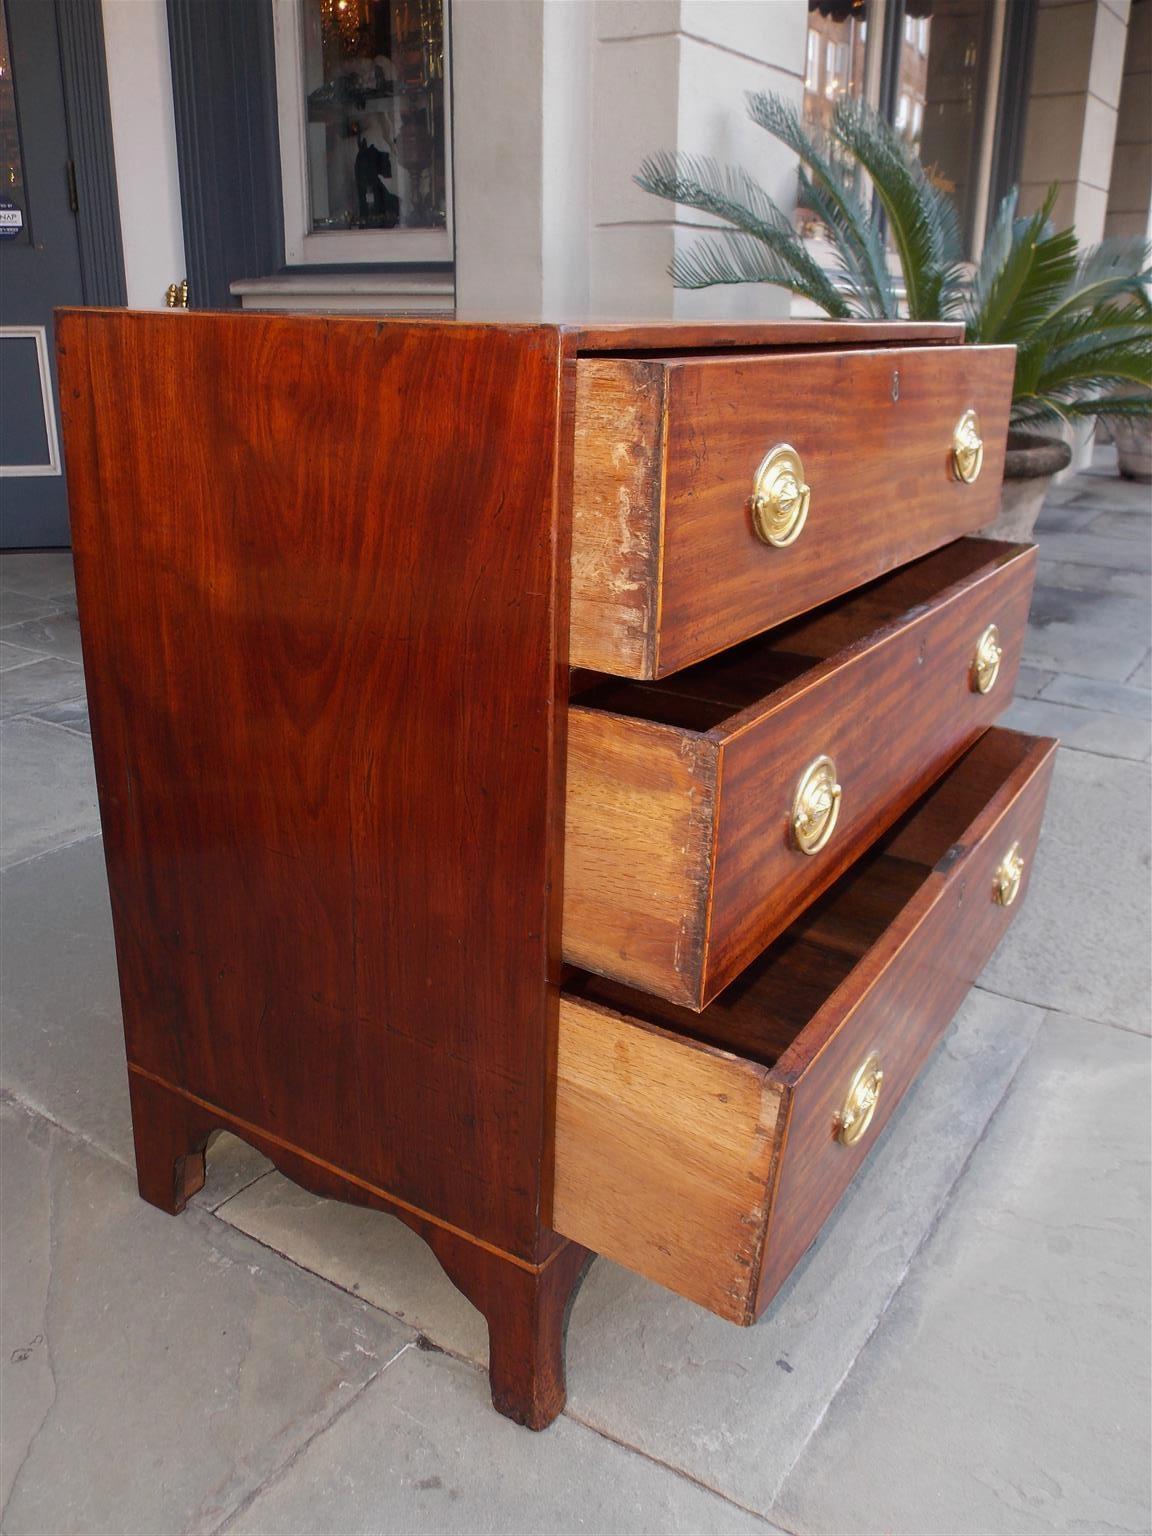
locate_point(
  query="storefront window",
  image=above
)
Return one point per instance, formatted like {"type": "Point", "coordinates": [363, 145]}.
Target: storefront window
{"type": "Point", "coordinates": [930, 77]}
{"type": "Point", "coordinates": [365, 124]}
{"type": "Point", "coordinates": [13, 217]}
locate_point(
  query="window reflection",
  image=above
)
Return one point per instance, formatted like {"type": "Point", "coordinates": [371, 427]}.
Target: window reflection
{"type": "Point", "coordinates": [13, 212]}
{"type": "Point", "coordinates": [374, 80]}
{"type": "Point", "coordinates": [933, 80]}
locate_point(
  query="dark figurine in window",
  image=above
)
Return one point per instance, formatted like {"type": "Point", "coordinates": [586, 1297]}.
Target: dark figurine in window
{"type": "Point", "coordinates": [378, 207]}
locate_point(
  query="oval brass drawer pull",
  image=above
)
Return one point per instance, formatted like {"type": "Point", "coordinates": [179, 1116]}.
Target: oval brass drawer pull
{"type": "Point", "coordinates": [1009, 874]}
{"type": "Point", "coordinates": [860, 1103]}
{"type": "Point", "coordinates": [967, 448]}
{"type": "Point", "coordinates": [816, 806]}
{"type": "Point", "coordinates": [780, 497]}
{"type": "Point", "coordinates": [986, 661]}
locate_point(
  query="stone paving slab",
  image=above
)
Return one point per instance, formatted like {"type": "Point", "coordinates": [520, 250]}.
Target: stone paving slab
{"type": "Point", "coordinates": [1089, 693]}
{"type": "Point", "coordinates": [161, 1369]}
{"type": "Point", "coordinates": [62, 1041]}
{"type": "Point", "coordinates": [43, 680]}
{"type": "Point", "coordinates": [16, 607]}
{"type": "Point", "coordinates": [56, 635]}
{"type": "Point", "coordinates": [39, 574]}
{"type": "Point", "coordinates": [733, 1408]}
{"type": "Point", "coordinates": [61, 1038]}
{"type": "Point", "coordinates": [1086, 548]}
{"type": "Point", "coordinates": [1094, 634]}
{"type": "Point", "coordinates": [1008, 1389]}
{"type": "Point", "coordinates": [71, 714]}
{"type": "Point", "coordinates": [1030, 681]}
{"type": "Point", "coordinates": [16, 656]}
{"type": "Point", "coordinates": [49, 789]}
{"type": "Point", "coordinates": [1080, 942]}
{"type": "Point", "coordinates": [1089, 578]}
{"type": "Point", "coordinates": [1082, 730]}
{"type": "Point", "coordinates": [422, 1451]}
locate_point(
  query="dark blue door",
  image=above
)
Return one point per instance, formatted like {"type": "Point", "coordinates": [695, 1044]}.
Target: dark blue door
{"type": "Point", "coordinates": [39, 269]}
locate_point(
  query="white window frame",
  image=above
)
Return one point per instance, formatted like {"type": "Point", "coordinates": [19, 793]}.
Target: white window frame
{"type": "Point", "coordinates": [812, 77]}
{"type": "Point", "coordinates": [345, 247]}
{"type": "Point", "coordinates": [51, 466]}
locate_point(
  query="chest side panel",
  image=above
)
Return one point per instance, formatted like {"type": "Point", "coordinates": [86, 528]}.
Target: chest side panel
{"type": "Point", "coordinates": [316, 575]}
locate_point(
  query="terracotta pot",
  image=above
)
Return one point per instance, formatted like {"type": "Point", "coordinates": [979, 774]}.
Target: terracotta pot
{"type": "Point", "coordinates": [1029, 466]}
{"type": "Point", "coordinates": [1133, 438]}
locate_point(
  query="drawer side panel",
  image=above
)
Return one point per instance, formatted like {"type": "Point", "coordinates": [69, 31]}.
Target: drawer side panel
{"type": "Point", "coordinates": [663, 1154]}
{"type": "Point", "coordinates": [638, 851]}
{"type": "Point", "coordinates": [616, 512]}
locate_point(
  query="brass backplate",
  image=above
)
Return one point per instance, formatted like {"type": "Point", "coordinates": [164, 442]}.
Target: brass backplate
{"type": "Point", "coordinates": [780, 497]}
{"type": "Point", "coordinates": [860, 1101]}
{"type": "Point", "coordinates": [967, 448]}
{"type": "Point", "coordinates": [986, 661]}
{"type": "Point", "coordinates": [1008, 877]}
{"type": "Point", "coordinates": [816, 806]}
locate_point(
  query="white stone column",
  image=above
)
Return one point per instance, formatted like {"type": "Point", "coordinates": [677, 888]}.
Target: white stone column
{"type": "Point", "coordinates": [1072, 109]}
{"type": "Point", "coordinates": [1130, 189]}
{"type": "Point", "coordinates": [556, 102]}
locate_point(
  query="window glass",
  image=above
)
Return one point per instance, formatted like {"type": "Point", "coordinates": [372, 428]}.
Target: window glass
{"type": "Point", "coordinates": [812, 77]}
{"type": "Point", "coordinates": [374, 85]}
{"type": "Point", "coordinates": [935, 66]}
{"type": "Point", "coordinates": [839, 33]}
{"type": "Point", "coordinates": [13, 210]}
{"type": "Point", "coordinates": [942, 74]}
{"type": "Point", "coordinates": [838, 38]}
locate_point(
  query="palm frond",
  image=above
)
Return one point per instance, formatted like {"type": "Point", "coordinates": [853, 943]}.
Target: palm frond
{"type": "Point", "coordinates": [924, 225]}
{"type": "Point", "coordinates": [731, 256]}
{"type": "Point", "coordinates": [727, 192]}
{"type": "Point", "coordinates": [835, 201]}
{"type": "Point", "coordinates": [1113, 269]}
{"type": "Point", "coordinates": [1023, 279]}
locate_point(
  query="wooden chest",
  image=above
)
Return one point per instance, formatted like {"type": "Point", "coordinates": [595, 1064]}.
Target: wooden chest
{"type": "Point", "coordinates": [548, 773]}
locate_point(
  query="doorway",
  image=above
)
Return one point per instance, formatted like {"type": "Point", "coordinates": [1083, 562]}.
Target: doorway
{"type": "Point", "coordinates": [59, 240]}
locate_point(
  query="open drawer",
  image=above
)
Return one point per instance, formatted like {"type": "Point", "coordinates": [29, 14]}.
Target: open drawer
{"type": "Point", "coordinates": [706, 1150]}
{"type": "Point", "coordinates": [704, 812]}
{"type": "Point", "coordinates": [717, 496]}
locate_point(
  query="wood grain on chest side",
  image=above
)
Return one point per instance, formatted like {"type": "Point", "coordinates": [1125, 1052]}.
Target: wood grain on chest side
{"type": "Point", "coordinates": [316, 568]}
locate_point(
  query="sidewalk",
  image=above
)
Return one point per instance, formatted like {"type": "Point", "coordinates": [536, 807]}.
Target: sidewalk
{"type": "Point", "coordinates": [964, 1352]}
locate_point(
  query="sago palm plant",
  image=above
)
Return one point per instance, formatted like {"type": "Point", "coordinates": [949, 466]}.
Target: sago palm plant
{"type": "Point", "coordinates": [1080, 321]}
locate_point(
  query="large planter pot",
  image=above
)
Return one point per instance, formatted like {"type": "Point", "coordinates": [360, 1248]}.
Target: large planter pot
{"type": "Point", "coordinates": [1133, 438]}
{"type": "Point", "coordinates": [1029, 466]}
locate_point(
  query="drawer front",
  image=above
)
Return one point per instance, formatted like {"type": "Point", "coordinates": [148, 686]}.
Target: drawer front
{"type": "Point", "coordinates": [706, 1169]}
{"type": "Point", "coordinates": [681, 858]}
{"type": "Point", "coordinates": [902, 999]}
{"type": "Point", "coordinates": [667, 565]}
{"type": "Point", "coordinates": [888, 720]}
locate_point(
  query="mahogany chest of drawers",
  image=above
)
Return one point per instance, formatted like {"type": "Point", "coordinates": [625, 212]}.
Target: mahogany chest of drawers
{"type": "Point", "coordinates": [548, 773]}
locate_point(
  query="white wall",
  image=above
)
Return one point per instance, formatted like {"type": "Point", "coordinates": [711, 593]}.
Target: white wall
{"type": "Point", "coordinates": [555, 106]}
{"type": "Point", "coordinates": [672, 74]}
{"type": "Point", "coordinates": [144, 137]}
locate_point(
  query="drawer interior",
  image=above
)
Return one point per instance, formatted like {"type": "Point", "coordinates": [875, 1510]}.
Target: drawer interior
{"type": "Point", "coordinates": [714, 691]}
{"type": "Point", "coordinates": [760, 1015]}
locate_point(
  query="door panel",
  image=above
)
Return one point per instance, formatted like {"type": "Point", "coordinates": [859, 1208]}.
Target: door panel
{"type": "Point", "coordinates": [39, 269]}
